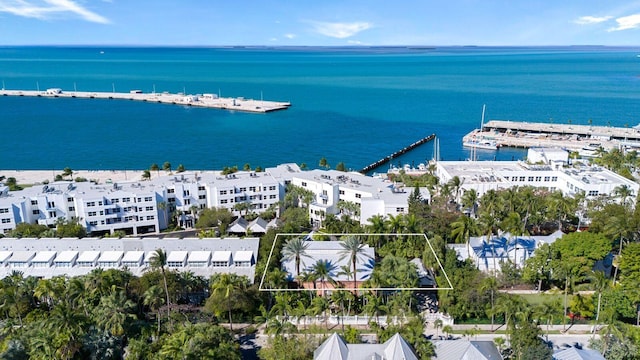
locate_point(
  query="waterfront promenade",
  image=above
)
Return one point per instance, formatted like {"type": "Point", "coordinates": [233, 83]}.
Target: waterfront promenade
{"type": "Point", "coordinates": [204, 100]}
{"type": "Point", "coordinates": [568, 136]}
{"type": "Point", "coordinates": [31, 177]}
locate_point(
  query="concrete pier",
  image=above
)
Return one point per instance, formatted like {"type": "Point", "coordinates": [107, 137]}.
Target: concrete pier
{"type": "Point", "coordinates": [568, 136]}
{"type": "Point", "coordinates": [204, 100]}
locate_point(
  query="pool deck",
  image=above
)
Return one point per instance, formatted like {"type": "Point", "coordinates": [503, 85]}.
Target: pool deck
{"type": "Point", "coordinates": [205, 101]}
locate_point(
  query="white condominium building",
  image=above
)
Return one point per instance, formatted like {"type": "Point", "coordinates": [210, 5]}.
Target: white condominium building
{"type": "Point", "coordinates": [373, 196]}
{"type": "Point", "coordinates": [483, 176]}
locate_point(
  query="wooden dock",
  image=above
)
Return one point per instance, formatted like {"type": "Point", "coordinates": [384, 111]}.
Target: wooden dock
{"type": "Point", "coordinates": [204, 100]}
{"type": "Point", "coordinates": [402, 151]}
{"type": "Point", "coordinates": [567, 136]}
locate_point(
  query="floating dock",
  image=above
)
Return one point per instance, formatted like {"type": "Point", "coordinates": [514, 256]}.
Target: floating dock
{"type": "Point", "coordinates": [567, 136]}
{"type": "Point", "coordinates": [402, 151]}
{"type": "Point", "coordinates": [204, 100]}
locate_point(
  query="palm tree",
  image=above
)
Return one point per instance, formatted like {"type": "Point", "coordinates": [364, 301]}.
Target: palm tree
{"type": "Point", "coordinates": [546, 311]}
{"type": "Point", "coordinates": [490, 284]}
{"type": "Point", "coordinates": [323, 270]}
{"type": "Point", "coordinates": [323, 163]}
{"type": "Point", "coordinates": [353, 248]}
{"type": "Point", "coordinates": [156, 168]}
{"type": "Point", "coordinates": [470, 200]}
{"type": "Point", "coordinates": [624, 192]}
{"type": "Point", "coordinates": [376, 226]}
{"type": "Point", "coordinates": [375, 306]}
{"type": "Point", "coordinates": [294, 250]}
{"type": "Point", "coordinates": [153, 299]}
{"type": "Point", "coordinates": [462, 230]}
{"type": "Point", "coordinates": [67, 172]}
{"type": "Point", "coordinates": [227, 285]}
{"type": "Point", "coordinates": [600, 284]}
{"type": "Point", "coordinates": [146, 175]}
{"type": "Point", "coordinates": [158, 261]}
{"type": "Point", "coordinates": [114, 311]}
{"type": "Point", "coordinates": [166, 166]}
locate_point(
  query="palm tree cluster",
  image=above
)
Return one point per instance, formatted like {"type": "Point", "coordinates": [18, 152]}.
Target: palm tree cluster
{"type": "Point", "coordinates": [108, 314]}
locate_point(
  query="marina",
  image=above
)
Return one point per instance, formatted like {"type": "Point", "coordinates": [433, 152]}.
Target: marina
{"type": "Point", "coordinates": [579, 138]}
{"type": "Point", "coordinates": [200, 100]}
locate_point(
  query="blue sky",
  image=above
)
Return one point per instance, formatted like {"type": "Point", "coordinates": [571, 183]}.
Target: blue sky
{"type": "Point", "coordinates": [319, 23]}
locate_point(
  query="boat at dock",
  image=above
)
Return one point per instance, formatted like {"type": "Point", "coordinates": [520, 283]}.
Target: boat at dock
{"type": "Point", "coordinates": [484, 144]}
{"type": "Point", "coordinates": [477, 140]}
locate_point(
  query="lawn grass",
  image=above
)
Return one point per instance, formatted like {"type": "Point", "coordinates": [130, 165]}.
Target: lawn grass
{"type": "Point", "coordinates": [537, 299]}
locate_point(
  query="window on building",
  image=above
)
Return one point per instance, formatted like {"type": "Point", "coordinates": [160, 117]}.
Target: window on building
{"type": "Point", "coordinates": [6, 221]}
{"type": "Point", "coordinates": [70, 199]}
{"type": "Point", "coordinates": [149, 208]}
{"type": "Point", "coordinates": [538, 178]}
{"type": "Point", "coordinates": [243, 189]}
{"type": "Point", "coordinates": [223, 201]}
{"type": "Point", "coordinates": [400, 209]}
{"type": "Point", "coordinates": [272, 196]}
{"type": "Point", "coordinates": [171, 191]}
{"type": "Point", "coordinates": [554, 178]}
{"type": "Point", "coordinates": [522, 178]}
{"type": "Point", "coordinates": [91, 203]}
{"type": "Point", "coordinates": [304, 184]}
{"type": "Point", "coordinates": [171, 200]}
{"type": "Point", "coordinates": [150, 217]}
{"type": "Point", "coordinates": [99, 203]}
{"type": "Point", "coordinates": [593, 193]}
{"type": "Point", "coordinates": [126, 199]}
{"type": "Point", "coordinates": [358, 196]}
{"type": "Point", "coordinates": [514, 178]}
{"type": "Point", "coordinates": [341, 192]}
{"type": "Point", "coordinates": [52, 214]}
{"type": "Point", "coordinates": [94, 223]}
{"type": "Point", "coordinates": [101, 212]}
{"type": "Point", "coordinates": [223, 192]}
{"type": "Point", "coordinates": [252, 188]}
{"type": "Point", "coordinates": [36, 212]}
{"type": "Point", "coordinates": [530, 178]}
{"type": "Point", "coordinates": [186, 193]}
{"type": "Point", "coordinates": [547, 178]}
{"type": "Point", "coordinates": [4, 210]}
{"type": "Point", "coordinates": [200, 188]}
{"type": "Point", "coordinates": [202, 197]}
{"type": "Point", "coordinates": [187, 202]}
{"type": "Point", "coordinates": [271, 188]}
{"type": "Point", "coordinates": [72, 208]}
{"type": "Point", "coordinates": [148, 198]}
{"type": "Point", "coordinates": [92, 213]}
{"type": "Point", "coordinates": [34, 202]}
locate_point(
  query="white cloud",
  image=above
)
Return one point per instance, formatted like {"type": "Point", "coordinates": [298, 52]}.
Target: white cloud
{"type": "Point", "coordinates": [290, 36]}
{"type": "Point", "coordinates": [627, 22]}
{"type": "Point", "coordinates": [339, 30]}
{"type": "Point", "coordinates": [47, 9]}
{"type": "Point", "coordinates": [588, 20]}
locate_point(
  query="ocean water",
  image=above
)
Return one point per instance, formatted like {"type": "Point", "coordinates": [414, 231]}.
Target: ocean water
{"type": "Point", "coordinates": [351, 105]}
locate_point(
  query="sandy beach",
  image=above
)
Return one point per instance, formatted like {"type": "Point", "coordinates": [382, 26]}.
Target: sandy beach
{"type": "Point", "coordinates": [35, 177]}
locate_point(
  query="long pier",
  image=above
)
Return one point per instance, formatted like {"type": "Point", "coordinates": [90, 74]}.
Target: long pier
{"type": "Point", "coordinates": [204, 100]}
{"type": "Point", "coordinates": [402, 151]}
{"type": "Point", "coordinates": [572, 137]}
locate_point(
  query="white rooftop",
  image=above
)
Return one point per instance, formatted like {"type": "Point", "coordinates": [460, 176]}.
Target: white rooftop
{"type": "Point", "coordinates": [177, 256]}
{"type": "Point", "coordinates": [243, 256]}
{"type": "Point", "coordinates": [199, 256]}
{"type": "Point", "coordinates": [4, 255]}
{"type": "Point", "coordinates": [44, 256]}
{"type": "Point", "coordinates": [221, 256]}
{"type": "Point", "coordinates": [133, 256]}
{"type": "Point", "coordinates": [111, 256]}
{"type": "Point", "coordinates": [22, 256]}
{"type": "Point", "coordinates": [88, 256]}
{"type": "Point", "coordinates": [66, 256]}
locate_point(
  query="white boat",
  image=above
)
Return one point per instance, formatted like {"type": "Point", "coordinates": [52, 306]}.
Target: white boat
{"type": "Point", "coordinates": [480, 142]}
{"type": "Point", "coordinates": [484, 144]}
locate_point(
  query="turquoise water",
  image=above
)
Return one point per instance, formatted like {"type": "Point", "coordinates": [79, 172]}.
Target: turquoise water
{"type": "Point", "coordinates": [349, 105]}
